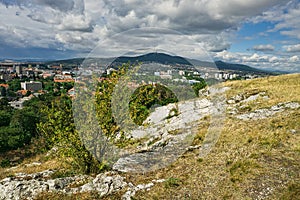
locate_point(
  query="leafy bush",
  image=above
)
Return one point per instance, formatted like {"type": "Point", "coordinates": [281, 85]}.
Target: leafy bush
{"type": "Point", "coordinates": [18, 127]}
{"type": "Point", "coordinates": [145, 97]}
{"type": "Point", "coordinates": [58, 129]}
{"type": "Point", "coordinates": [4, 118]}
{"type": "Point", "coordinates": [172, 182]}
{"type": "Point", "coordinates": [12, 138]}
{"type": "Point", "coordinates": [4, 163]}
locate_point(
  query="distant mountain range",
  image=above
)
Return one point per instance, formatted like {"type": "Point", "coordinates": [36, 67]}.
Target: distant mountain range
{"type": "Point", "coordinates": [154, 57]}
{"type": "Point", "coordinates": [165, 59]}
{"type": "Point", "coordinates": [236, 67]}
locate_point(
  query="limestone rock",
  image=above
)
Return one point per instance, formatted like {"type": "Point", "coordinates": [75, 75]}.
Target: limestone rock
{"type": "Point", "coordinates": [265, 113]}
{"type": "Point", "coordinates": [167, 136]}
{"type": "Point", "coordinates": [27, 186]}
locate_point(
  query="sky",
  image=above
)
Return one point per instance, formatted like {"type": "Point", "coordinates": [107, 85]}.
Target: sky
{"type": "Point", "coordinates": [264, 34]}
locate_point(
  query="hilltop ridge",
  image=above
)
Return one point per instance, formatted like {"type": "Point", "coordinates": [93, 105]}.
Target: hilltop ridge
{"type": "Point", "coordinates": [165, 59]}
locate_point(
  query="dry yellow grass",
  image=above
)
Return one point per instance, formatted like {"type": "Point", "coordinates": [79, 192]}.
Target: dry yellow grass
{"type": "Point", "coordinates": [252, 159]}
{"type": "Point", "coordinates": [25, 167]}
{"type": "Point", "coordinates": [283, 88]}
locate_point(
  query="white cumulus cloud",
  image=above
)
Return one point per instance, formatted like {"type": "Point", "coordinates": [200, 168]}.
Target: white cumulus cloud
{"type": "Point", "coordinates": [292, 48]}
{"type": "Point", "coordinates": [294, 59]}
{"type": "Point", "coordinates": [264, 47]}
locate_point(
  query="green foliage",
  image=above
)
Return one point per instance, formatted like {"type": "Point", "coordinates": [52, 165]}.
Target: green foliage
{"type": "Point", "coordinates": [28, 93]}
{"type": "Point", "coordinates": [145, 97]}
{"type": "Point", "coordinates": [198, 86]}
{"type": "Point", "coordinates": [173, 112]}
{"type": "Point", "coordinates": [48, 84]}
{"type": "Point", "coordinates": [5, 163]}
{"type": "Point", "coordinates": [67, 85]}
{"type": "Point", "coordinates": [57, 88]}
{"type": "Point", "coordinates": [11, 93]}
{"type": "Point", "coordinates": [104, 91]}
{"type": "Point", "coordinates": [4, 105]}
{"type": "Point", "coordinates": [140, 102]}
{"type": "Point", "coordinates": [25, 120]}
{"type": "Point", "coordinates": [12, 138]}
{"type": "Point", "coordinates": [58, 129]}
{"type": "Point", "coordinates": [18, 127]}
{"type": "Point", "coordinates": [172, 182]}
{"type": "Point", "coordinates": [292, 191]}
{"type": "Point", "coordinates": [4, 118]}
{"type": "Point", "coordinates": [36, 104]}
{"type": "Point", "coordinates": [103, 105]}
{"type": "Point", "coordinates": [63, 173]}
{"type": "Point", "coordinates": [14, 85]}
{"type": "Point", "coordinates": [239, 169]}
{"type": "Point", "coordinates": [2, 91]}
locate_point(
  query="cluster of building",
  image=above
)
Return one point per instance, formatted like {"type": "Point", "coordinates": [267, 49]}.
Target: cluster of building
{"type": "Point", "coordinates": [180, 76]}
{"type": "Point", "coordinates": [10, 70]}
{"type": "Point", "coordinates": [225, 76]}
{"type": "Point", "coordinates": [164, 75]}
{"type": "Point", "coordinates": [34, 88]}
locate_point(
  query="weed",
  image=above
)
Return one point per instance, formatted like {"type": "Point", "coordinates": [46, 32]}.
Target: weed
{"type": "Point", "coordinates": [174, 132]}
{"type": "Point", "coordinates": [172, 182]}
{"type": "Point", "coordinates": [5, 163]}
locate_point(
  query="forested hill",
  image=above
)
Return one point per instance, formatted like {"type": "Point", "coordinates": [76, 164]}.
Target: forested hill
{"type": "Point", "coordinates": [237, 67]}
{"type": "Point", "coordinates": [163, 59]}
{"type": "Point", "coordinates": [155, 57]}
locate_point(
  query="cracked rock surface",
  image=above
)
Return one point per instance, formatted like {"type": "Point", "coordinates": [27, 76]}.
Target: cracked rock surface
{"type": "Point", "coordinates": [28, 186]}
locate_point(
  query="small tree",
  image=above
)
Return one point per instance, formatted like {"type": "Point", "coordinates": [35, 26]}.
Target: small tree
{"type": "Point", "coordinates": [4, 118]}
{"type": "Point", "coordinates": [59, 130]}
{"type": "Point", "coordinates": [25, 120]}
{"type": "Point", "coordinates": [14, 85]}
{"type": "Point", "coordinates": [4, 105]}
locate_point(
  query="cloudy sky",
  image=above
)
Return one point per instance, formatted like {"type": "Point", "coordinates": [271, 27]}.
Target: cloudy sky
{"type": "Point", "coordinates": [262, 33]}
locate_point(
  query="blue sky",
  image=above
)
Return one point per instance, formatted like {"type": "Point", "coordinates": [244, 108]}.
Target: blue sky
{"type": "Point", "coordinates": [250, 33]}
{"type": "Point", "coordinates": [263, 34]}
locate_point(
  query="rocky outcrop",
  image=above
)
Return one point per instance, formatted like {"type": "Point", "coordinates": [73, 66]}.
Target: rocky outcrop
{"type": "Point", "coordinates": [268, 112]}
{"type": "Point", "coordinates": [169, 131]}
{"type": "Point", "coordinates": [238, 104]}
{"type": "Point", "coordinates": [28, 186]}
{"type": "Point", "coordinates": [104, 184]}
{"type": "Point", "coordinates": [131, 191]}
{"type": "Point", "coordinates": [247, 97]}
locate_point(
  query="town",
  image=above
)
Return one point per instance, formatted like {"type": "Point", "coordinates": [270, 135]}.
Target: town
{"type": "Point", "coordinates": [20, 81]}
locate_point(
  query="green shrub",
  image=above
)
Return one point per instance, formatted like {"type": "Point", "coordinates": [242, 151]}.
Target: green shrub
{"type": "Point", "coordinates": [58, 129]}
{"type": "Point", "coordinates": [172, 182]}
{"type": "Point", "coordinates": [145, 97]}
{"type": "Point", "coordinates": [5, 163]}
